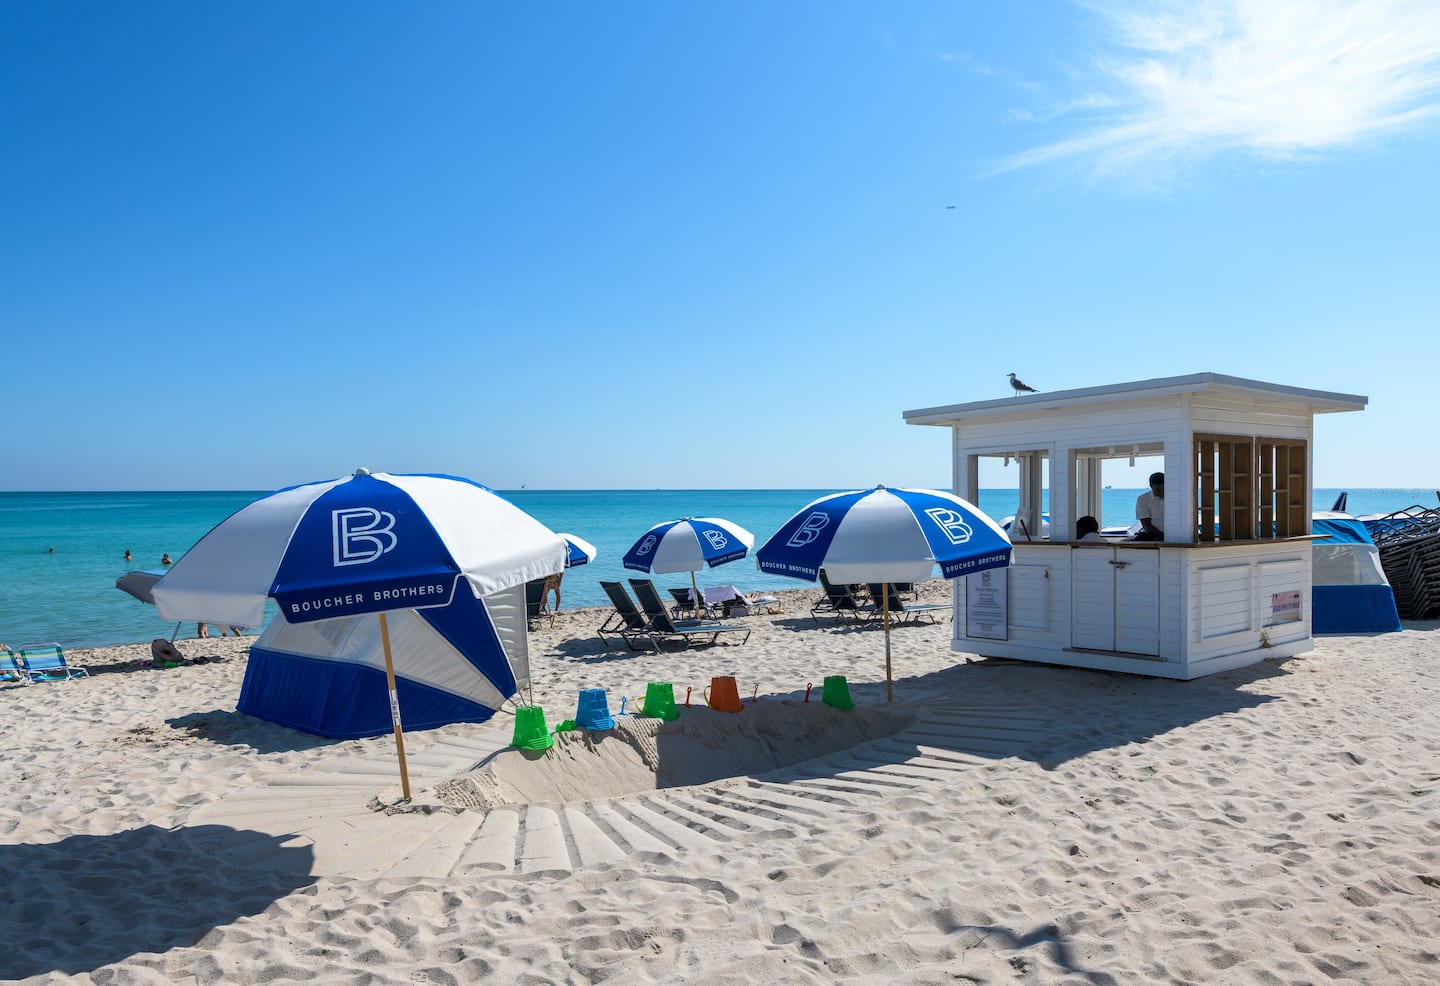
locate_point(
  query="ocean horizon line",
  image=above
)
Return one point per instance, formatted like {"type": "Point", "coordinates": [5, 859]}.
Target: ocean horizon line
{"type": "Point", "coordinates": [611, 489]}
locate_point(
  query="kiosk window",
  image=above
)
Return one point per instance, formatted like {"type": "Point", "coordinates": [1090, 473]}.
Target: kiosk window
{"type": "Point", "coordinates": [1250, 488]}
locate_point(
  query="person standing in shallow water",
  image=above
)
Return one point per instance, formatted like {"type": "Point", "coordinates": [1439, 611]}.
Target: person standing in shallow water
{"type": "Point", "coordinates": [128, 556]}
{"type": "Point", "coordinates": [1150, 510]}
{"type": "Point", "coordinates": [165, 559]}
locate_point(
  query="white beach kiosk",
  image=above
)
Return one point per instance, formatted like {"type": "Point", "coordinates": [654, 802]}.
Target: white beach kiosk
{"type": "Point", "coordinates": [1229, 585]}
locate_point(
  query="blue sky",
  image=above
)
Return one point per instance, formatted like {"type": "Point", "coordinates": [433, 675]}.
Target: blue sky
{"type": "Point", "coordinates": [634, 245]}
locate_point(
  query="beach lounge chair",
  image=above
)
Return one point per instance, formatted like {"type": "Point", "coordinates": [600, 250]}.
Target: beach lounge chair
{"type": "Point", "coordinates": [906, 590]}
{"type": "Point", "coordinates": [46, 662]}
{"type": "Point", "coordinates": [650, 602]}
{"type": "Point", "coordinates": [900, 611]}
{"type": "Point", "coordinates": [684, 604]}
{"type": "Point", "coordinates": [733, 602]}
{"type": "Point", "coordinates": [662, 626]}
{"type": "Point", "coordinates": [840, 600]}
{"type": "Point", "coordinates": [534, 599]}
{"type": "Point", "coordinates": [534, 602]}
{"type": "Point", "coordinates": [11, 669]}
{"type": "Point", "coordinates": [626, 622]}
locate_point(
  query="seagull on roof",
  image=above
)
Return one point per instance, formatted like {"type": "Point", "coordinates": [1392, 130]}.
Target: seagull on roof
{"type": "Point", "coordinates": [1021, 387]}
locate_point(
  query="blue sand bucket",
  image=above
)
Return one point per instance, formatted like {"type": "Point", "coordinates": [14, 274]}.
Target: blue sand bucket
{"type": "Point", "coordinates": [531, 733]}
{"type": "Point", "coordinates": [836, 693]}
{"type": "Point", "coordinates": [594, 710]}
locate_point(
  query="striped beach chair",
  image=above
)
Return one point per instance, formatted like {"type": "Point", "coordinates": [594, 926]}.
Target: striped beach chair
{"type": "Point", "coordinates": [46, 662]}
{"type": "Point", "coordinates": [11, 670]}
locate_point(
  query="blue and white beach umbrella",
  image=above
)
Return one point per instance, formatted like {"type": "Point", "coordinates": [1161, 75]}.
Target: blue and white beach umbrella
{"type": "Point", "coordinates": [359, 545]}
{"type": "Point", "coordinates": [885, 535]}
{"type": "Point", "coordinates": [579, 551]}
{"type": "Point", "coordinates": [688, 545]}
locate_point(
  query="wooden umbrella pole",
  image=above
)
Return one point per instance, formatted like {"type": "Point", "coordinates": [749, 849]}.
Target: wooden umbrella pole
{"type": "Point", "coordinates": [885, 602]}
{"type": "Point", "coordinates": [395, 708]}
{"type": "Point", "coordinates": [695, 595]}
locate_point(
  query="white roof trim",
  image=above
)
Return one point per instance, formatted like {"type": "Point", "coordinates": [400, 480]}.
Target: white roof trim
{"type": "Point", "coordinates": [1317, 401]}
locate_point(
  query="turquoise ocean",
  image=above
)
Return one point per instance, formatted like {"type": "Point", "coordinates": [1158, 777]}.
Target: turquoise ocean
{"type": "Point", "coordinates": [69, 596]}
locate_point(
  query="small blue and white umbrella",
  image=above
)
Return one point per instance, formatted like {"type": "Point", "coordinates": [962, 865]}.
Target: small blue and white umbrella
{"type": "Point", "coordinates": [358, 545]}
{"type": "Point", "coordinates": [688, 545]}
{"type": "Point", "coordinates": [885, 535]}
{"type": "Point", "coordinates": [580, 551]}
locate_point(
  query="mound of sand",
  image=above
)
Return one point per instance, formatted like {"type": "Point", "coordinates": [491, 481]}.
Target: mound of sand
{"type": "Point", "coordinates": [701, 747]}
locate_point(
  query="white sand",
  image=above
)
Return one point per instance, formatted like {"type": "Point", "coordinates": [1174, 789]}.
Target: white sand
{"type": "Point", "coordinates": [998, 823]}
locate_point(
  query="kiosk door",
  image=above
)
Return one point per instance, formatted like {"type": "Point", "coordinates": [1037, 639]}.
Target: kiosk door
{"type": "Point", "coordinates": [1115, 600]}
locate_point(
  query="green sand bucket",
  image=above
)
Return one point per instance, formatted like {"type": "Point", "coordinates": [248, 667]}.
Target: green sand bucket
{"type": "Point", "coordinates": [837, 693]}
{"type": "Point", "coordinates": [659, 701]}
{"type": "Point", "coordinates": [531, 733]}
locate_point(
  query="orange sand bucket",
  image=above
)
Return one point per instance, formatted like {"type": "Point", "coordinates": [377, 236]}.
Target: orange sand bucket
{"type": "Point", "coordinates": [726, 694]}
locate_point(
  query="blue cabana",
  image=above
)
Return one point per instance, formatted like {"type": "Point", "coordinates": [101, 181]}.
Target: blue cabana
{"type": "Point", "coordinates": [454, 663]}
{"type": "Point", "coordinates": [1351, 594]}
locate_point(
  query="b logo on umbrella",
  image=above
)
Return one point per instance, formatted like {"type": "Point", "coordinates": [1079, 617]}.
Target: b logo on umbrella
{"type": "Point", "coordinates": [359, 537]}
{"type": "Point", "coordinates": [809, 530]}
{"type": "Point", "coordinates": [643, 548]}
{"type": "Point", "coordinates": [717, 539]}
{"type": "Point", "coordinates": [951, 523]}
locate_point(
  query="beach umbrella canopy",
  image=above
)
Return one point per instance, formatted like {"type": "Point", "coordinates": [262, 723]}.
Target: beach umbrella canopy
{"type": "Point", "coordinates": [362, 544]}
{"type": "Point", "coordinates": [139, 583]}
{"type": "Point", "coordinates": [688, 545]}
{"type": "Point", "coordinates": [579, 551]}
{"type": "Point", "coordinates": [885, 535]}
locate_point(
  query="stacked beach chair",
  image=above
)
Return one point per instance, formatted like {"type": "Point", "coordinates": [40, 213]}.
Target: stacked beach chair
{"type": "Point", "coordinates": [1409, 543]}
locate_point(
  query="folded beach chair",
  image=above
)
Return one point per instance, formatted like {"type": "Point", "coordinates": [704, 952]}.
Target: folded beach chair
{"type": "Point", "coordinates": [662, 626]}
{"type": "Point", "coordinates": [11, 669]}
{"type": "Point", "coordinates": [46, 662]}
{"type": "Point", "coordinates": [840, 600]}
{"type": "Point", "coordinates": [901, 612]}
{"type": "Point", "coordinates": [626, 622]}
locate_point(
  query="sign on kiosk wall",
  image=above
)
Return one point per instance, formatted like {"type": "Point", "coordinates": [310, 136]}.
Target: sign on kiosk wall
{"type": "Point", "coordinates": [1284, 608]}
{"type": "Point", "coordinates": [987, 605]}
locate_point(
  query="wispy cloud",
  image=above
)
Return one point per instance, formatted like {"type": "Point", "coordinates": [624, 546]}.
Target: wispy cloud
{"type": "Point", "coordinates": [1275, 78]}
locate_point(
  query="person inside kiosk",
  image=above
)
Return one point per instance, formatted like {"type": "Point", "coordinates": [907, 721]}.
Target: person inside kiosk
{"type": "Point", "coordinates": [1150, 510]}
